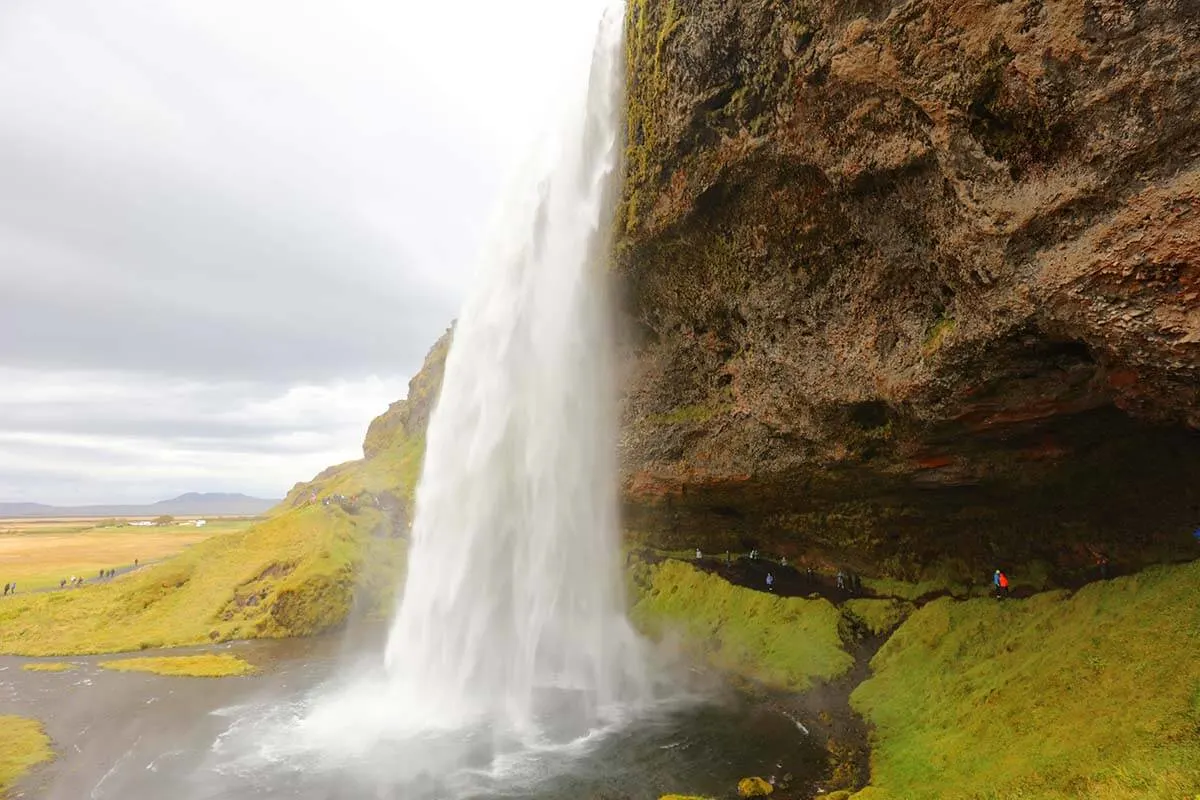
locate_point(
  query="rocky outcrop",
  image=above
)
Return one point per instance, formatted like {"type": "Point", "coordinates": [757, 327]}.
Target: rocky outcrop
{"type": "Point", "coordinates": [393, 451]}
{"type": "Point", "coordinates": [410, 416]}
{"type": "Point", "coordinates": [911, 282]}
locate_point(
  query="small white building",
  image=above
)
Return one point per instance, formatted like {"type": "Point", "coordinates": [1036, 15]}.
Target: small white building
{"type": "Point", "coordinates": [200, 523]}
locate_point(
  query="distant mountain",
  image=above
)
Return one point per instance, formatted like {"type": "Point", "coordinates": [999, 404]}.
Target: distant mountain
{"type": "Point", "coordinates": [190, 504]}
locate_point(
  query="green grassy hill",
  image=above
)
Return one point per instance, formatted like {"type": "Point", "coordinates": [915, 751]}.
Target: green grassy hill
{"type": "Point", "coordinates": [1090, 695]}
{"type": "Point", "coordinates": [333, 547]}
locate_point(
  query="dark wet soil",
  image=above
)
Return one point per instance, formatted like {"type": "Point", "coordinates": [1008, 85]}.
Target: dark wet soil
{"type": "Point", "coordinates": [787, 580]}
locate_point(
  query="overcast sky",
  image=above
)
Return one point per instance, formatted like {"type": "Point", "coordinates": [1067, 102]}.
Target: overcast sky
{"type": "Point", "coordinates": [230, 229]}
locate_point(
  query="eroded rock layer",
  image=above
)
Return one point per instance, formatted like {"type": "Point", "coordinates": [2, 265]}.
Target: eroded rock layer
{"type": "Point", "coordinates": [914, 281]}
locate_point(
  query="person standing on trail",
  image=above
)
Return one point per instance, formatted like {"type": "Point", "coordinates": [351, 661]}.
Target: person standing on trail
{"type": "Point", "coordinates": [770, 582]}
{"type": "Point", "coordinates": [698, 554]}
{"type": "Point", "coordinates": [6, 590]}
{"type": "Point", "coordinates": [1000, 581]}
{"type": "Point", "coordinates": [841, 580]}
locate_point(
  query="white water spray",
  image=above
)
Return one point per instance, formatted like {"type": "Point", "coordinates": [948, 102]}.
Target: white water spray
{"type": "Point", "coordinates": [513, 611]}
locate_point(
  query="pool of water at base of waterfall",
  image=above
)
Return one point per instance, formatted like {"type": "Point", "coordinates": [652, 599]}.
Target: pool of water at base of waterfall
{"type": "Point", "coordinates": [132, 736]}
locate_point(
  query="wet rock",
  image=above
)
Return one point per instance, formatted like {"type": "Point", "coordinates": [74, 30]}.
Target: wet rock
{"type": "Point", "coordinates": [912, 281]}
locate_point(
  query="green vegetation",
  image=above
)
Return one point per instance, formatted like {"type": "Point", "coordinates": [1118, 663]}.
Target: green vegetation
{"type": "Point", "coordinates": [48, 666]}
{"type": "Point", "coordinates": [754, 787]}
{"type": "Point", "coordinates": [937, 334]}
{"type": "Point", "coordinates": [23, 746]}
{"type": "Point", "coordinates": [696, 413]}
{"type": "Point", "coordinates": [787, 643]}
{"type": "Point", "coordinates": [206, 665]}
{"type": "Point", "coordinates": [879, 617]}
{"type": "Point", "coordinates": [39, 554]}
{"type": "Point", "coordinates": [292, 575]}
{"type": "Point", "coordinates": [1095, 694]}
{"type": "Point", "coordinates": [332, 546]}
{"type": "Point", "coordinates": [909, 590]}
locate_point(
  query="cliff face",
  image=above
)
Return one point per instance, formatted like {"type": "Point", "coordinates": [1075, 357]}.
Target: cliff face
{"type": "Point", "coordinates": [913, 281]}
{"type": "Point", "coordinates": [393, 451]}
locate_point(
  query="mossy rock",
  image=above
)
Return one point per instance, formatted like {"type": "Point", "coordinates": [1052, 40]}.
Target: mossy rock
{"type": "Point", "coordinates": [754, 787]}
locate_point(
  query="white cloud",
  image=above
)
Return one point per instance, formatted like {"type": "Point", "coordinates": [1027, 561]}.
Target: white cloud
{"type": "Point", "coordinates": [124, 437]}
{"type": "Point", "coordinates": [228, 228]}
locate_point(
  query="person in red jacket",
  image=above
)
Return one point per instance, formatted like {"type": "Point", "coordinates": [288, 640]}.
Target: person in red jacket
{"type": "Point", "coordinates": [1003, 585]}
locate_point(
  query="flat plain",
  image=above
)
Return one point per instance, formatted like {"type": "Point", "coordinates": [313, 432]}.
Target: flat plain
{"type": "Point", "coordinates": [39, 553]}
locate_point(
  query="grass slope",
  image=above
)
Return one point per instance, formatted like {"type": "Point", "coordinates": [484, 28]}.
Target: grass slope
{"type": "Point", "coordinates": [23, 746]}
{"type": "Point", "coordinates": [292, 575]}
{"type": "Point", "coordinates": [205, 665]}
{"type": "Point", "coordinates": [1094, 695]}
{"type": "Point", "coordinates": [332, 545]}
{"type": "Point", "coordinates": [38, 557]}
{"type": "Point", "coordinates": [786, 643]}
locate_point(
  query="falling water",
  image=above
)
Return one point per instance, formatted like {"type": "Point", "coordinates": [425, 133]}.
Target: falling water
{"type": "Point", "coordinates": [512, 614]}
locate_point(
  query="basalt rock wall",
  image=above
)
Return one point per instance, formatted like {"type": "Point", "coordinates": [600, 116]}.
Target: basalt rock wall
{"type": "Point", "coordinates": [913, 282]}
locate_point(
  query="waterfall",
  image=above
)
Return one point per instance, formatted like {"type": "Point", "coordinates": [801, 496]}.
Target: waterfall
{"type": "Point", "coordinates": [512, 615]}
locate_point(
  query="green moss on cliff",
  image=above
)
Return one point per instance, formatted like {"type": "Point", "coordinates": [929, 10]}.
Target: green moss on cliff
{"type": "Point", "coordinates": [1094, 695]}
{"type": "Point", "coordinates": [786, 643]}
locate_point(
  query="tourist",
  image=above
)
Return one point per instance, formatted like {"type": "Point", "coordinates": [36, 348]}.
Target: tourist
{"type": "Point", "coordinates": [770, 582]}
{"type": "Point", "coordinates": [728, 558]}
{"type": "Point", "coordinates": [62, 584]}
{"type": "Point", "coordinates": [841, 580]}
{"type": "Point", "coordinates": [698, 554]}
{"type": "Point", "coordinates": [6, 589]}
{"type": "Point", "coordinates": [783, 561]}
{"type": "Point", "coordinates": [1000, 581]}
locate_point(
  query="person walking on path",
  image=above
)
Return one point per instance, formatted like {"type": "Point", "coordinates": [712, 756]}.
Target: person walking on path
{"type": "Point", "coordinates": [841, 580]}
{"type": "Point", "coordinates": [770, 582]}
{"type": "Point", "coordinates": [6, 590]}
{"type": "Point", "coordinates": [1000, 581]}
{"type": "Point", "coordinates": [698, 554]}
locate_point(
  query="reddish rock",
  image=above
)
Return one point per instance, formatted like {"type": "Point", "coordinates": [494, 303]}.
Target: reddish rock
{"type": "Point", "coordinates": [855, 237]}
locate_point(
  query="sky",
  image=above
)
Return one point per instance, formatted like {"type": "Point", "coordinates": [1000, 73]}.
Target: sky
{"type": "Point", "coordinates": [231, 229]}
